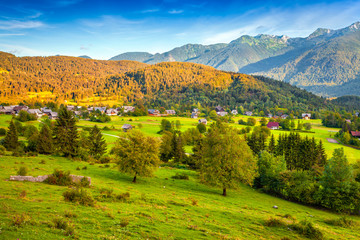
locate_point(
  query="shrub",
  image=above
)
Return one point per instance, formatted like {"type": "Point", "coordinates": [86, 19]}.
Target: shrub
{"type": "Point", "coordinates": [123, 197]}
{"type": "Point", "coordinates": [124, 222]}
{"type": "Point", "coordinates": [274, 222]}
{"type": "Point", "coordinates": [106, 128]}
{"type": "Point", "coordinates": [84, 182]}
{"type": "Point", "coordinates": [108, 194]}
{"type": "Point", "coordinates": [182, 176]}
{"type": "Point", "coordinates": [22, 194]}
{"type": "Point", "coordinates": [22, 171]}
{"type": "Point", "coordinates": [62, 224]}
{"type": "Point", "coordinates": [2, 150]}
{"type": "Point", "coordinates": [2, 131]}
{"type": "Point", "coordinates": [60, 178]}
{"type": "Point", "coordinates": [342, 222]}
{"type": "Point", "coordinates": [70, 214]}
{"type": "Point", "coordinates": [105, 159]}
{"type": "Point", "coordinates": [85, 167]}
{"type": "Point", "coordinates": [18, 220]}
{"type": "Point", "coordinates": [306, 228]}
{"type": "Point", "coordinates": [42, 162]}
{"type": "Point", "coordinates": [79, 195]}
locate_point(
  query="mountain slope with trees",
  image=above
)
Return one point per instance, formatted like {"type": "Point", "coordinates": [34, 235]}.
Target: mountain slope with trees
{"type": "Point", "coordinates": [326, 62]}
{"type": "Point", "coordinates": [169, 85]}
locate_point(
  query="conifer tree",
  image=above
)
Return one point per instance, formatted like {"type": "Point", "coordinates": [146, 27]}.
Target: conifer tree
{"type": "Point", "coordinates": [66, 135]}
{"type": "Point", "coordinates": [11, 141]}
{"type": "Point", "coordinates": [178, 147]}
{"type": "Point", "coordinates": [272, 145]}
{"type": "Point", "coordinates": [97, 143]}
{"type": "Point", "coordinates": [45, 142]}
{"type": "Point", "coordinates": [321, 155]}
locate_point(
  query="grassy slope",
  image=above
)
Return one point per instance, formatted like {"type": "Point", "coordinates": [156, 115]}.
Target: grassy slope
{"type": "Point", "coordinates": [159, 207]}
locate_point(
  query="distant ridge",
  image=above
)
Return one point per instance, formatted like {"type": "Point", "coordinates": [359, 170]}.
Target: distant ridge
{"type": "Point", "coordinates": [85, 56]}
{"type": "Point", "coordinates": [327, 62]}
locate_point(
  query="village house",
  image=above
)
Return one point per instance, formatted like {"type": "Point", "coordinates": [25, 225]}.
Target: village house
{"type": "Point", "coordinates": [77, 113]}
{"type": "Point", "coordinates": [194, 115]}
{"type": "Point", "coordinates": [248, 113]}
{"type": "Point", "coordinates": [37, 112]}
{"type": "Point", "coordinates": [101, 109]}
{"type": "Point", "coordinates": [70, 107]}
{"type": "Point", "coordinates": [284, 116]}
{"type": "Point", "coordinates": [17, 109]}
{"type": "Point", "coordinates": [170, 112]}
{"type": "Point", "coordinates": [8, 110]}
{"type": "Point", "coordinates": [195, 110]}
{"type": "Point", "coordinates": [53, 115]}
{"type": "Point", "coordinates": [348, 121]}
{"type": "Point", "coordinates": [46, 111]}
{"type": "Point", "coordinates": [357, 114]}
{"type": "Point", "coordinates": [355, 134]}
{"type": "Point", "coordinates": [126, 127]}
{"type": "Point", "coordinates": [269, 115]}
{"type": "Point", "coordinates": [219, 109]}
{"type": "Point", "coordinates": [128, 109]}
{"type": "Point", "coordinates": [273, 125]}
{"type": "Point", "coordinates": [111, 112]}
{"type": "Point", "coordinates": [153, 112]}
{"type": "Point", "coordinates": [90, 109]}
{"type": "Point", "coordinates": [234, 112]}
{"type": "Point", "coordinates": [203, 121]}
{"type": "Point", "coordinates": [221, 114]}
{"type": "Point", "coordinates": [306, 116]}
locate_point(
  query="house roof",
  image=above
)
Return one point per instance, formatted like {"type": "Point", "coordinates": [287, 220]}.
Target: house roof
{"type": "Point", "coordinates": [203, 120]}
{"type": "Point", "coordinates": [126, 126]}
{"type": "Point", "coordinates": [355, 133]}
{"type": "Point", "coordinates": [306, 115]}
{"type": "Point", "coordinates": [219, 109]}
{"type": "Point", "coordinates": [272, 124]}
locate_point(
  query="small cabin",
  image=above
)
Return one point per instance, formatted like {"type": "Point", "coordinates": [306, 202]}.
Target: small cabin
{"type": "Point", "coordinates": [273, 125]}
{"type": "Point", "coordinates": [126, 127]}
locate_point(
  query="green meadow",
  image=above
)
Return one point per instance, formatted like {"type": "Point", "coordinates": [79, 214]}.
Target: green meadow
{"type": "Point", "coordinates": [158, 208]}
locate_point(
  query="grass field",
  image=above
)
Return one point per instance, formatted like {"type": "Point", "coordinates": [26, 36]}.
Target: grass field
{"type": "Point", "coordinates": [151, 125]}
{"type": "Point", "coordinates": [158, 208]}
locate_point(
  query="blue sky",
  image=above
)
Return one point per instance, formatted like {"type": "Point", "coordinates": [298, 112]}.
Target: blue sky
{"type": "Point", "coordinates": [103, 29]}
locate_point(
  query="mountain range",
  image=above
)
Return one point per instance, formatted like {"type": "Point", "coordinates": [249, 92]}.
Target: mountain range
{"type": "Point", "coordinates": [327, 62]}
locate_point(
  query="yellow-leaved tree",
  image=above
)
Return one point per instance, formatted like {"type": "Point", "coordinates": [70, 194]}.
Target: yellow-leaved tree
{"type": "Point", "coordinates": [226, 160]}
{"type": "Point", "coordinates": [137, 154]}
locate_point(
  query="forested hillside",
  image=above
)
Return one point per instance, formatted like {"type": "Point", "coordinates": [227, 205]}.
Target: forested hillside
{"type": "Point", "coordinates": [164, 84]}
{"type": "Point", "coordinates": [60, 76]}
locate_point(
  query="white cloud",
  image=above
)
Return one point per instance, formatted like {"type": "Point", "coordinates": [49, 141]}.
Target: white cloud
{"type": "Point", "coordinates": [15, 24]}
{"type": "Point", "coordinates": [150, 10]}
{"type": "Point", "coordinates": [174, 11]}
{"type": "Point", "coordinates": [11, 34]}
{"type": "Point", "coordinates": [23, 51]}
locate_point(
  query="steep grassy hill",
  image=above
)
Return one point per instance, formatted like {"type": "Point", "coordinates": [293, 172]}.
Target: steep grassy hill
{"type": "Point", "coordinates": [158, 208]}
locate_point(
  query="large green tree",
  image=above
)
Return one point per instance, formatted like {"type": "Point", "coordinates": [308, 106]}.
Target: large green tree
{"type": "Point", "coordinates": [45, 142]}
{"type": "Point", "coordinates": [137, 154]}
{"type": "Point", "coordinates": [66, 134]}
{"type": "Point", "coordinates": [226, 159]}
{"type": "Point", "coordinates": [11, 141]}
{"type": "Point", "coordinates": [97, 143]}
